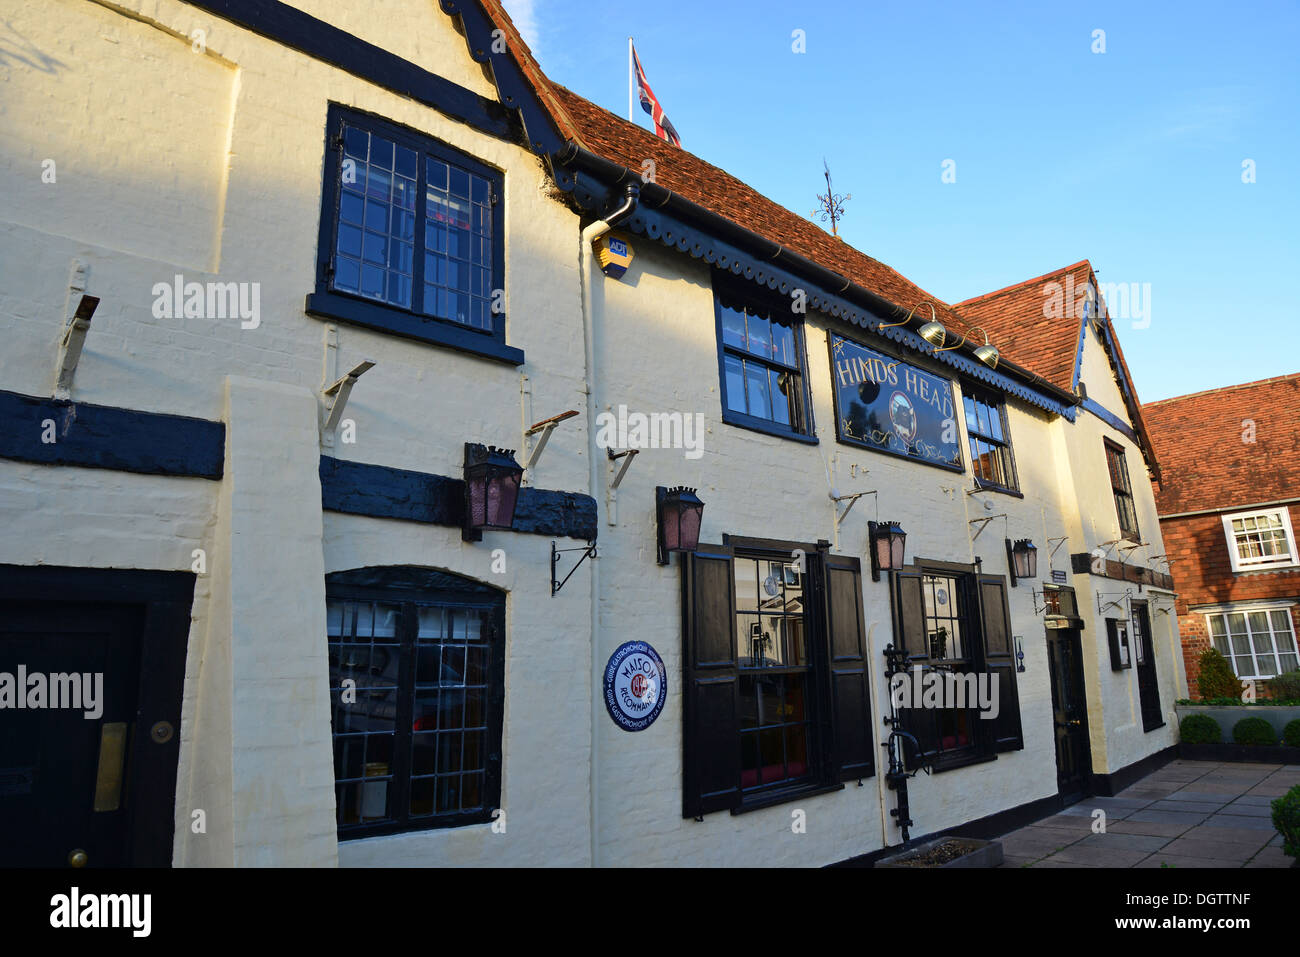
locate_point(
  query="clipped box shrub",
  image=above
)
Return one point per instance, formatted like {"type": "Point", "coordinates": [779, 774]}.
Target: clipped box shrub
{"type": "Point", "coordinates": [1291, 733]}
{"type": "Point", "coordinates": [1285, 687]}
{"type": "Point", "coordinates": [1216, 679]}
{"type": "Point", "coordinates": [1286, 818]}
{"type": "Point", "coordinates": [1200, 729]}
{"type": "Point", "coordinates": [1253, 731]}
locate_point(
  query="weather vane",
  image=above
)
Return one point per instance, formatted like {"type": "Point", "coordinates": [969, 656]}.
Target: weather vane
{"type": "Point", "coordinates": [832, 204]}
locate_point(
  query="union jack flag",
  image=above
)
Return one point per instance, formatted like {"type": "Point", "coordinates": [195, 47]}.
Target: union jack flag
{"type": "Point", "coordinates": [650, 103]}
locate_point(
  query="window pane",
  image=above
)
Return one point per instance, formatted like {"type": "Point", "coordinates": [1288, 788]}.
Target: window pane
{"type": "Point", "coordinates": [459, 285]}
{"type": "Point", "coordinates": [783, 344]}
{"type": "Point", "coordinates": [746, 572]}
{"type": "Point", "coordinates": [757, 394]}
{"type": "Point", "coordinates": [781, 383]}
{"type": "Point", "coordinates": [760, 336]}
{"type": "Point", "coordinates": [995, 422]}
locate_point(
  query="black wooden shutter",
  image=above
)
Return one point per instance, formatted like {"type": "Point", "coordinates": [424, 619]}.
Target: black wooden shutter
{"type": "Point", "coordinates": [909, 613]}
{"type": "Point", "coordinates": [710, 710]}
{"type": "Point", "coordinates": [854, 755]}
{"type": "Point", "coordinates": [1000, 660]}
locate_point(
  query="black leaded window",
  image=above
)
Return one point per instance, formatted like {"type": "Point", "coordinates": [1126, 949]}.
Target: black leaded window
{"type": "Point", "coordinates": [954, 625]}
{"type": "Point", "coordinates": [411, 237]}
{"type": "Point", "coordinates": [990, 442]}
{"type": "Point", "coordinates": [774, 677]}
{"type": "Point", "coordinates": [1123, 489]}
{"type": "Point", "coordinates": [763, 382]}
{"type": "Point", "coordinates": [776, 697]}
{"type": "Point", "coordinates": [948, 631]}
{"type": "Point", "coordinates": [415, 692]}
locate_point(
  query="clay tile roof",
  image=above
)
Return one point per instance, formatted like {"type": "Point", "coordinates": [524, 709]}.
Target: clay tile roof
{"type": "Point", "coordinates": [1208, 464]}
{"type": "Point", "coordinates": [614, 138]}
{"type": "Point", "coordinates": [1015, 322]}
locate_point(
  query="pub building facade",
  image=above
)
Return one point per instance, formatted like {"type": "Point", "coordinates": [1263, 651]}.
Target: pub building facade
{"type": "Point", "coordinates": [303, 393]}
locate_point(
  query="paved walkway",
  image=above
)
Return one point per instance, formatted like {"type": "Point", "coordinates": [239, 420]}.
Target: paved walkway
{"type": "Point", "coordinates": [1187, 814]}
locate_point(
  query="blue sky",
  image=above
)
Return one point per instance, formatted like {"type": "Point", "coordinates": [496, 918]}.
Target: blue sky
{"type": "Point", "coordinates": [1131, 158]}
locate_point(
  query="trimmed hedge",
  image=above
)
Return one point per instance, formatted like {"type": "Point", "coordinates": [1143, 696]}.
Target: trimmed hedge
{"type": "Point", "coordinates": [1285, 687]}
{"type": "Point", "coordinates": [1291, 733]}
{"type": "Point", "coordinates": [1200, 729]}
{"type": "Point", "coordinates": [1215, 679]}
{"type": "Point", "coordinates": [1286, 818]}
{"type": "Point", "coordinates": [1254, 731]}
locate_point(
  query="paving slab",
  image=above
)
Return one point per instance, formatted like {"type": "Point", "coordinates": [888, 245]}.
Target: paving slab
{"type": "Point", "coordinates": [1270, 857]}
{"type": "Point", "coordinates": [1250, 840]}
{"type": "Point", "coordinates": [1085, 808]}
{"type": "Point", "coordinates": [1036, 842]}
{"type": "Point", "coordinates": [1118, 801]}
{"type": "Point", "coordinates": [1053, 862]}
{"type": "Point", "coordinates": [1009, 861]}
{"type": "Point", "coordinates": [1258, 800]}
{"type": "Point", "coordinates": [1095, 856]}
{"type": "Point", "coordinates": [1162, 858]}
{"type": "Point", "coordinates": [1239, 821]}
{"type": "Point", "coordinates": [1160, 828]}
{"type": "Point", "coordinates": [1229, 851]}
{"type": "Point", "coordinates": [1247, 810]}
{"type": "Point", "coordinates": [1186, 807]}
{"type": "Point", "coordinates": [1125, 842]}
{"type": "Point", "coordinates": [1185, 817]}
{"type": "Point", "coordinates": [1069, 822]}
{"type": "Point", "coordinates": [1268, 790]}
{"type": "Point", "coordinates": [1204, 797]}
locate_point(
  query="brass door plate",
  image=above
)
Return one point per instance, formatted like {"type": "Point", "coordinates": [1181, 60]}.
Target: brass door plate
{"type": "Point", "coordinates": [112, 755]}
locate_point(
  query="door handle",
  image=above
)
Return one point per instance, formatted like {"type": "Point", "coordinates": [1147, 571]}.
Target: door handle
{"type": "Point", "coordinates": [112, 755]}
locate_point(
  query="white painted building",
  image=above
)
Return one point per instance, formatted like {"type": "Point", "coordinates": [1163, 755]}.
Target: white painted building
{"type": "Point", "coordinates": [304, 660]}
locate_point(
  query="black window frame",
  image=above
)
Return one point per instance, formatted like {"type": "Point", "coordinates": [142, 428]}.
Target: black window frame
{"type": "Point", "coordinates": [989, 737]}
{"type": "Point", "coordinates": [410, 589]}
{"type": "Point", "coordinates": [411, 323]}
{"type": "Point", "coordinates": [1115, 454]}
{"type": "Point", "coordinates": [994, 403]}
{"type": "Point", "coordinates": [724, 289]}
{"type": "Point", "coordinates": [840, 717]}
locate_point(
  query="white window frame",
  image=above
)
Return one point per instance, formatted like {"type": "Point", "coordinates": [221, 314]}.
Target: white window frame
{"type": "Point", "coordinates": [1266, 608]}
{"type": "Point", "coordinates": [1240, 564]}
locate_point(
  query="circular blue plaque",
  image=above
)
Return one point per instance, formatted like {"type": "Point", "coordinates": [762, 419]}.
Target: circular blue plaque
{"type": "Point", "coordinates": [636, 685]}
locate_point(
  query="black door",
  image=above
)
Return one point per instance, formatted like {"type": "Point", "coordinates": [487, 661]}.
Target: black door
{"type": "Point", "coordinates": [1145, 661]}
{"type": "Point", "coordinates": [1069, 712]}
{"type": "Point", "coordinates": [63, 763]}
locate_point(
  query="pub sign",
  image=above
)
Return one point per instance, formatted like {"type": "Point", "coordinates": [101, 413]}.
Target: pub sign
{"type": "Point", "coordinates": [887, 405]}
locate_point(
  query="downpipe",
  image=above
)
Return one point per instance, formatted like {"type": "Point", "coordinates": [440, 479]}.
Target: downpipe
{"type": "Point", "coordinates": [593, 232]}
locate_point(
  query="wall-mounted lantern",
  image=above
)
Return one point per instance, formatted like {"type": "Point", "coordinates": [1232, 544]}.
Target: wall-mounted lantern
{"type": "Point", "coordinates": [887, 540]}
{"type": "Point", "coordinates": [1022, 559]}
{"type": "Point", "coordinates": [679, 512]}
{"type": "Point", "coordinates": [492, 478]}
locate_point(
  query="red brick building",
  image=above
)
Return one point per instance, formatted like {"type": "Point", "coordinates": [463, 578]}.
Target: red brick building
{"type": "Point", "coordinates": [1229, 505]}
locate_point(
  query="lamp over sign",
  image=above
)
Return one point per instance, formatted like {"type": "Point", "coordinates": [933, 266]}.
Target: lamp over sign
{"type": "Point", "coordinates": [492, 478]}
{"type": "Point", "coordinates": [886, 541]}
{"type": "Point", "coordinates": [680, 513]}
{"type": "Point", "coordinates": [1022, 559]}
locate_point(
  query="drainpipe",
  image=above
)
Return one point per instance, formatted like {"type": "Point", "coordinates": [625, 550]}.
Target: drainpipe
{"type": "Point", "coordinates": [631, 194]}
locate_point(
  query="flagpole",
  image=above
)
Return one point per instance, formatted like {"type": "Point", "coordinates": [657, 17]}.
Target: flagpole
{"type": "Point", "coordinates": [631, 84]}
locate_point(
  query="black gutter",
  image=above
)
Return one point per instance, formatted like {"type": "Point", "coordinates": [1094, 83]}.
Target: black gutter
{"type": "Point", "coordinates": [657, 197]}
